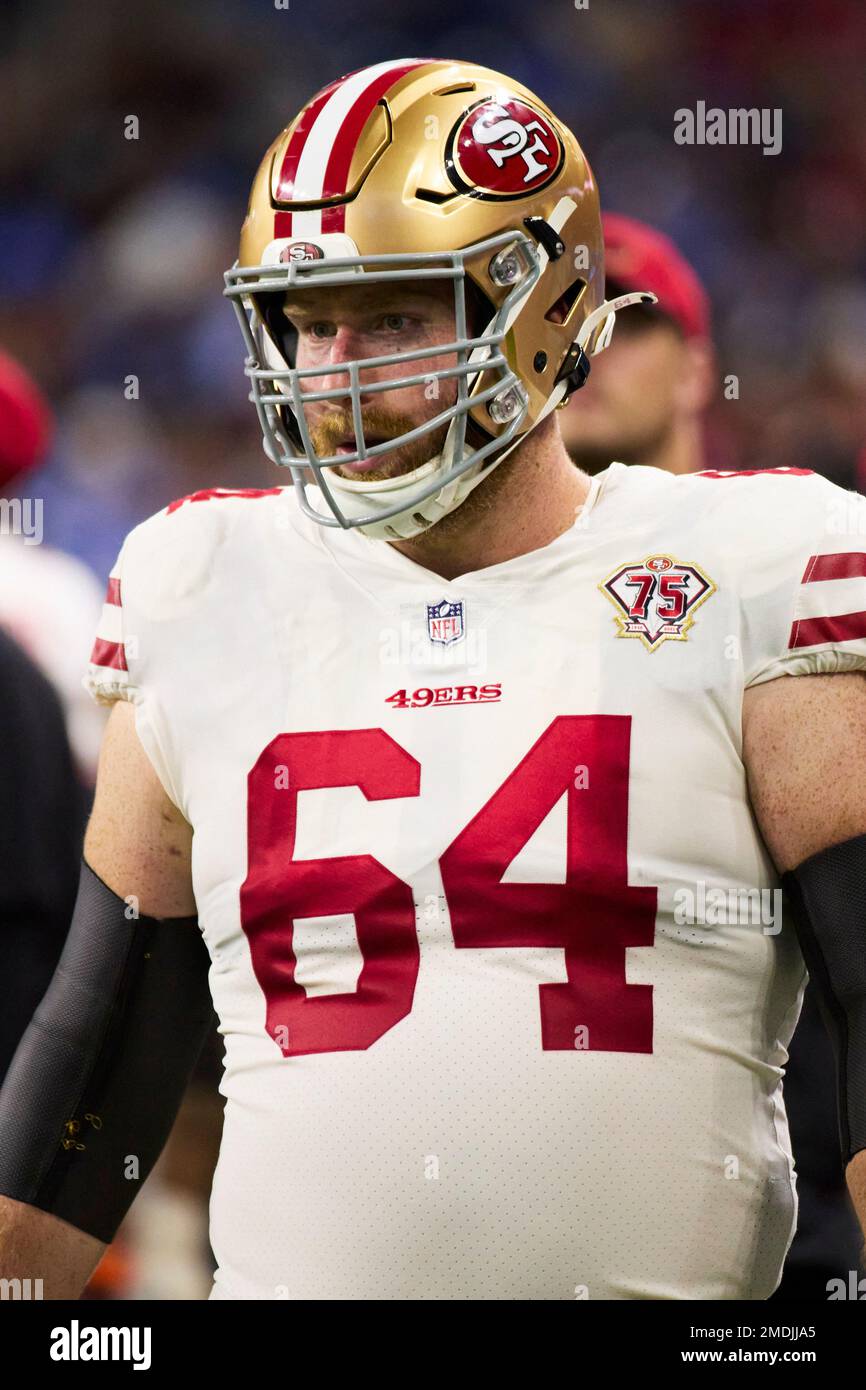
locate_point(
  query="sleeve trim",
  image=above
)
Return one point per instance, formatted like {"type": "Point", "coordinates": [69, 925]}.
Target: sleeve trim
{"type": "Point", "coordinates": [813, 632]}
{"type": "Point", "coordinates": [826, 662]}
{"type": "Point", "coordinates": [107, 677]}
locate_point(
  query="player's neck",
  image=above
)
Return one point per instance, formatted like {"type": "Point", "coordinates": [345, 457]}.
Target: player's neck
{"type": "Point", "coordinates": [528, 500]}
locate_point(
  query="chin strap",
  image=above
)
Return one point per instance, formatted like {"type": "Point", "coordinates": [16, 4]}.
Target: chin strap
{"type": "Point", "coordinates": [358, 498]}
{"type": "Point", "coordinates": [608, 311]}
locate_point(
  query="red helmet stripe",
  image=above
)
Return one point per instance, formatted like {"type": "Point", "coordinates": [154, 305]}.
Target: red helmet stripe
{"type": "Point", "coordinates": [319, 154]}
{"type": "Point", "coordinates": [286, 185]}
{"type": "Point", "coordinates": [343, 148]}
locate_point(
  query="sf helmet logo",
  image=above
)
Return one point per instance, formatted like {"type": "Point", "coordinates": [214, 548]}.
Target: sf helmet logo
{"type": "Point", "coordinates": [302, 251]}
{"type": "Point", "coordinates": [506, 137]}
{"type": "Point", "coordinates": [502, 149]}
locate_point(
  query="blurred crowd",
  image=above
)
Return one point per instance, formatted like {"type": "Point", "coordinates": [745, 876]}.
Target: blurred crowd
{"type": "Point", "coordinates": [113, 248]}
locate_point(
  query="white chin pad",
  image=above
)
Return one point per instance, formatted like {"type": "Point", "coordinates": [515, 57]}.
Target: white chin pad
{"type": "Point", "coordinates": [361, 498]}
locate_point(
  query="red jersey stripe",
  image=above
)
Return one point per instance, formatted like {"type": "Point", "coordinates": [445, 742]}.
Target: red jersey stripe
{"type": "Point", "coordinates": [810, 632]}
{"type": "Point", "coordinates": [209, 493]}
{"type": "Point", "coordinates": [108, 654]}
{"type": "Point", "coordinates": [756, 473]}
{"type": "Point", "coordinates": [849, 564]}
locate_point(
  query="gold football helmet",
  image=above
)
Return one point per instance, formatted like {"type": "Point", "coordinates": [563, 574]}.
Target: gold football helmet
{"type": "Point", "coordinates": [421, 169]}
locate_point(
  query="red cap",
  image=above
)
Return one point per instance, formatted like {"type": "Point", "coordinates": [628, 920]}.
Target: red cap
{"type": "Point", "coordinates": [637, 257]}
{"type": "Point", "coordinates": [26, 424]}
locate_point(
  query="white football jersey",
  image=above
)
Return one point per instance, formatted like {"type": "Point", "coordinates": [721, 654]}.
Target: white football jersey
{"type": "Point", "coordinates": [504, 985]}
{"type": "Point", "coordinates": [49, 602]}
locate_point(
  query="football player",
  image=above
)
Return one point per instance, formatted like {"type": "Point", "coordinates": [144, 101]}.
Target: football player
{"type": "Point", "coordinates": [506, 997]}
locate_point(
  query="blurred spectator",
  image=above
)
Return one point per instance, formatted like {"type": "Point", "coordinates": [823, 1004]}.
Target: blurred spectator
{"type": "Point", "coordinates": [42, 810]}
{"type": "Point", "coordinates": [49, 602]}
{"type": "Point", "coordinates": [647, 393]}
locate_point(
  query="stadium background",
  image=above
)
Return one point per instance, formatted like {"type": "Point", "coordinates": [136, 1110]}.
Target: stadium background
{"type": "Point", "coordinates": [113, 249]}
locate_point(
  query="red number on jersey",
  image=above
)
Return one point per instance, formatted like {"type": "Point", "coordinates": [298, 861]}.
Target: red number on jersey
{"type": "Point", "coordinates": [671, 588]}
{"type": "Point", "coordinates": [279, 889]}
{"type": "Point", "coordinates": [644, 583]}
{"type": "Point", "coordinates": [592, 917]}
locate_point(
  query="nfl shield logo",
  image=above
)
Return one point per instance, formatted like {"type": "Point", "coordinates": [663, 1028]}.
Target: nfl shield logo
{"type": "Point", "coordinates": [445, 622]}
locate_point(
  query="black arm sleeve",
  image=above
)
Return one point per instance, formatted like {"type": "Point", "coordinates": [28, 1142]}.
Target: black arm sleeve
{"type": "Point", "coordinates": [827, 894]}
{"type": "Point", "coordinates": [98, 1078]}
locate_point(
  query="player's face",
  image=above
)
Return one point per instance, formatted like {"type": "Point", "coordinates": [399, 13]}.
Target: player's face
{"type": "Point", "coordinates": [631, 399]}
{"type": "Point", "coordinates": [345, 322]}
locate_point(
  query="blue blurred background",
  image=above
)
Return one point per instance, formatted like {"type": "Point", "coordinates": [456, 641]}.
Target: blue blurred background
{"type": "Point", "coordinates": [113, 249]}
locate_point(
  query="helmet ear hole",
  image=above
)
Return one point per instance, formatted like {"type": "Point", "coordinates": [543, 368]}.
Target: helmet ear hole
{"type": "Point", "coordinates": [280, 330]}
{"type": "Point", "coordinates": [563, 307]}
{"type": "Point", "coordinates": [281, 338]}
{"type": "Point", "coordinates": [479, 309]}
